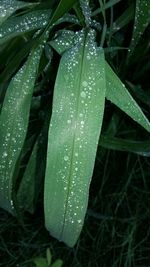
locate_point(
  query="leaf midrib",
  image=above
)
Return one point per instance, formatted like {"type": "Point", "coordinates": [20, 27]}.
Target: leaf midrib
{"type": "Point", "coordinates": [74, 136]}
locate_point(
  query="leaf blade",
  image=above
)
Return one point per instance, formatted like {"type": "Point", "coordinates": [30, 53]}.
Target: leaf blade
{"type": "Point", "coordinates": [14, 121]}
{"type": "Point", "coordinates": [73, 133]}
{"type": "Point", "coordinates": [118, 94]}
{"type": "Point", "coordinates": [33, 20]}
{"type": "Point", "coordinates": [142, 19]}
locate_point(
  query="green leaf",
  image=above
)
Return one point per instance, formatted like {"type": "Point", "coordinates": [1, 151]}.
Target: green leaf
{"type": "Point", "coordinates": [18, 56]}
{"type": "Point", "coordinates": [123, 19]}
{"type": "Point", "coordinates": [57, 263]}
{"type": "Point", "coordinates": [119, 95]}
{"type": "Point", "coordinates": [40, 262]}
{"type": "Point", "coordinates": [13, 124]}
{"type": "Point", "coordinates": [8, 7]}
{"type": "Point", "coordinates": [32, 179]}
{"type": "Point", "coordinates": [106, 5]}
{"type": "Point", "coordinates": [142, 20]}
{"type": "Point", "coordinates": [48, 256]}
{"type": "Point", "coordinates": [26, 192]}
{"type": "Point", "coordinates": [62, 8]}
{"type": "Point", "coordinates": [31, 21]}
{"type": "Point", "coordinates": [139, 147]}
{"type": "Point", "coordinates": [64, 40]}
{"type": "Point", "coordinates": [77, 115]}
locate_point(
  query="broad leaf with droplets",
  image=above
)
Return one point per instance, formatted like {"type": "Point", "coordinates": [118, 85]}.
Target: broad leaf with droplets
{"type": "Point", "coordinates": [13, 124]}
{"type": "Point", "coordinates": [119, 95]}
{"type": "Point", "coordinates": [63, 40]}
{"type": "Point", "coordinates": [142, 19]}
{"type": "Point", "coordinates": [77, 116]}
{"type": "Point", "coordinates": [31, 21]}
{"type": "Point", "coordinates": [8, 7]}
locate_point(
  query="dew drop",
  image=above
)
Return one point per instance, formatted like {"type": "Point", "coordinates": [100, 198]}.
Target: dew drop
{"type": "Point", "coordinates": [66, 158]}
{"type": "Point", "coordinates": [5, 154]}
{"type": "Point", "coordinates": [83, 94]}
{"type": "Point", "coordinates": [84, 83]}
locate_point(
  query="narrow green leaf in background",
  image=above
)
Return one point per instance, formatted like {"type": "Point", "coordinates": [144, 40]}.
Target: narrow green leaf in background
{"type": "Point", "coordinates": [77, 116]}
{"type": "Point", "coordinates": [26, 192]}
{"type": "Point", "coordinates": [123, 19]}
{"type": "Point", "coordinates": [119, 95]}
{"type": "Point", "coordinates": [14, 122]}
{"type": "Point", "coordinates": [62, 8]}
{"type": "Point", "coordinates": [40, 262]}
{"type": "Point", "coordinates": [139, 147]}
{"type": "Point", "coordinates": [106, 5]}
{"type": "Point", "coordinates": [32, 180]}
{"type": "Point", "coordinates": [142, 19]}
{"type": "Point", "coordinates": [8, 7]}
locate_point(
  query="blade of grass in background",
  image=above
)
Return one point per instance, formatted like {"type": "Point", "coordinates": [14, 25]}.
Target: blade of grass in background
{"type": "Point", "coordinates": [123, 19]}
{"type": "Point", "coordinates": [142, 148]}
{"type": "Point", "coordinates": [14, 62]}
{"type": "Point", "coordinates": [119, 95]}
{"type": "Point", "coordinates": [32, 180]}
{"type": "Point", "coordinates": [8, 7]}
{"type": "Point", "coordinates": [142, 19]}
{"type": "Point", "coordinates": [62, 8]}
{"type": "Point", "coordinates": [14, 122]}
{"type": "Point", "coordinates": [26, 192]}
{"type": "Point", "coordinates": [106, 5]}
{"type": "Point", "coordinates": [77, 116]}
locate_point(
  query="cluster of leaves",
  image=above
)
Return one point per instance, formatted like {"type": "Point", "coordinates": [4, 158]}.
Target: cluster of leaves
{"type": "Point", "coordinates": [76, 50]}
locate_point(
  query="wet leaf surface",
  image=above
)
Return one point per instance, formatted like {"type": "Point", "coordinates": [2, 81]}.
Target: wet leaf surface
{"type": "Point", "coordinates": [78, 107]}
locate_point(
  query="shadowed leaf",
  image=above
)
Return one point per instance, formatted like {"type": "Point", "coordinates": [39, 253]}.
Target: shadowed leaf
{"type": "Point", "coordinates": [119, 95]}
{"type": "Point", "coordinates": [14, 122]}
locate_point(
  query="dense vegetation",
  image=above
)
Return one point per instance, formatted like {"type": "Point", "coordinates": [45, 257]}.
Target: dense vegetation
{"type": "Point", "coordinates": [52, 52]}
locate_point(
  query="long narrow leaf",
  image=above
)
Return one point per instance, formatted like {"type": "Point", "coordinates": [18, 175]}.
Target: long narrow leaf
{"type": "Point", "coordinates": [13, 124]}
{"type": "Point", "coordinates": [111, 142]}
{"type": "Point", "coordinates": [77, 116]}
{"type": "Point", "coordinates": [119, 95]}
{"type": "Point", "coordinates": [62, 8]}
{"type": "Point", "coordinates": [142, 19]}
{"type": "Point", "coordinates": [32, 179]}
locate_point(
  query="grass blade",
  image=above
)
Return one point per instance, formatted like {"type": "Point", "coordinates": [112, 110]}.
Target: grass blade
{"type": "Point", "coordinates": [26, 192]}
{"type": "Point", "coordinates": [62, 8]}
{"type": "Point", "coordinates": [77, 116]}
{"type": "Point", "coordinates": [14, 121]}
{"type": "Point", "coordinates": [138, 147]}
{"type": "Point", "coordinates": [32, 179]}
{"type": "Point", "coordinates": [107, 5]}
{"type": "Point", "coordinates": [118, 94]}
{"type": "Point", "coordinates": [142, 19]}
